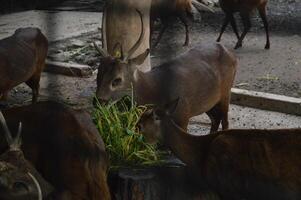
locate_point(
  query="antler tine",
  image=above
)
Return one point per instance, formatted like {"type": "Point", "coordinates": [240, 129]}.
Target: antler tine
{"type": "Point", "coordinates": [139, 41]}
{"type": "Point", "coordinates": [7, 133]}
{"type": "Point", "coordinates": [16, 145]}
{"type": "Point", "coordinates": [102, 52]}
{"type": "Point", "coordinates": [104, 28]}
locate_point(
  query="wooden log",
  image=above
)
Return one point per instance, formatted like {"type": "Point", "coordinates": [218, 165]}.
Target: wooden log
{"type": "Point", "coordinates": [68, 69]}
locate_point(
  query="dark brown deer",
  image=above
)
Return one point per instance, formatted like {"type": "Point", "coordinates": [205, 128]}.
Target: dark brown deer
{"type": "Point", "coordinates": [237, 164]}
{"type": "Point", "coordinates": [65, 147]}
{"type": "Point", "coordinates": [18, 178]}
{"type": "Point", "coordinates": [245, 9]}
{"type": "Point", "coordinates": [22, 59]}
{"type": "Point", "coordinates": [202, 77]}
{"type": "Point", "coordinates": [169, 10]}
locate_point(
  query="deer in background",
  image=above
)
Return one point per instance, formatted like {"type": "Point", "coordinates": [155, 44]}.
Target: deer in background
{"type": "Point", "coordinates": [65, 147]}
{"type": "Point", "coordinates": [245, 9]}
{"type": "Point", "coordinates": [22, 59]}
{"type": "Point", "coordinates": [168, 10]}
{"type": "Point", "coordinates": [202, 77]}
{"type": "Point", "coordinates": [18, 178]}
{"type": "Point", "coordinates": [237, 164]}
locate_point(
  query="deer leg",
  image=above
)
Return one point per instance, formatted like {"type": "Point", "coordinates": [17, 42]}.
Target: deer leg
{"type": "Point", "coordinates": [215, 116]}
{"type": "Point", "coordinates": [184, 20]}
{"type": "Point", "coordinates": [34, 84]}
{"type": "Point", "coordinates": [245, 16]}
{"type": "Point", "coordinates": [262, 13]}
{"type": "Point", "coordinates": [233, 24]}
{"type": "Point", "coordinates": [165, 25]}
{"type": "Point", "coordinates": [225, 24]}
{"type": "Point", "coordinates": [224, 108]}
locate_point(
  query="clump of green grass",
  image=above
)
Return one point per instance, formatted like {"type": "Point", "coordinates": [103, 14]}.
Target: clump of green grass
{"type": "Point", "coordinates": [116, 123]}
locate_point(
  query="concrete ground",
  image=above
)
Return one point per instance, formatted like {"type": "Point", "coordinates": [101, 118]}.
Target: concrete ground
{"type": "Point", "coordinates": [56, 25]}
{"type": "Point", "coordinates": [244, 118]}
{"type": "Point", "coordinates": [78, 92]}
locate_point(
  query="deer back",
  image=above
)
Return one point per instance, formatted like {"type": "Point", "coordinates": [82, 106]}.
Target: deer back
{"type": "Point", "coordinates": [201, 77]}
{"type": "Point", "coordinates": [20, 56]}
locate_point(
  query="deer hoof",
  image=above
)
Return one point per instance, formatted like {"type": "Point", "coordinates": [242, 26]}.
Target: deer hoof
{"type": "Point", "coordinates": [267, 46]}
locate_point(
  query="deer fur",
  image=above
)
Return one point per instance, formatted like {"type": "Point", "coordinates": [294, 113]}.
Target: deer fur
{"type": "Point", "coordinates": [22, 59]}
{"type": "Point", "coordinates": [245, 9]}
{"type": "Point", "coordinates": [168, 10]}
{"type": "Point", "coordinates": [202, 77]}
{"type": "Point", "coordinates": [237, 164]}
{"type": "Point", "coordinates": [65, 147]}
{"type": "Point", "coordinates": [18, 178]}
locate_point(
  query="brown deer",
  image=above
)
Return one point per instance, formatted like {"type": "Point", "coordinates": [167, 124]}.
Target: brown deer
{"type": "Point", "coordinates": [202, 77]}
{"type": "Point", "coordinates": [237, 164]}
{"type": "Point", "coordinates": [18, 178]}
{"type": "Point", "coordinates": [245, 9]}
{"type": "Point", "coordinates": [65, 147]}
{"type": "Point", "coordinates": [168, 10]}
{"type": "Point", "coordinates": [22, 59]}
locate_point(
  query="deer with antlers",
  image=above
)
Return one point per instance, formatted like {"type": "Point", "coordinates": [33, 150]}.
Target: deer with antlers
{"type": "Point", "coordinates": [18, 178]}
{"type": "Point", "coordinates": [202, 77]}
{"type": "Point", "coordinates": [64, 147]}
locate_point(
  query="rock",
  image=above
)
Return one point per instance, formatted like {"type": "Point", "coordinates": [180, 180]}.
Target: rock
{"type": "Point", "coordinates": [61, 57]}
{"type": "Point", "coordinates": [68, 69]}
{"type": "Point", "coordinates": [77, 43]}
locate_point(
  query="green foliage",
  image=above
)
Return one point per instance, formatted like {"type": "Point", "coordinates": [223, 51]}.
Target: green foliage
{"type": "Point", "coordinates": [116, 123]}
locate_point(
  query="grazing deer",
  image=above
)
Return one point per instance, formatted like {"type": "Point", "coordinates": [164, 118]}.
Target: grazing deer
{"type": "Point", "coordinates": [18, 178]}
{"type": "Point", "coordinates": [245, 9]}
{"type": "Point", "coordinates": [22, 59]}
{"type": "Point", "coordinates": [237, 164]}
{"type": "Point", "coordinates": [202, 77]}
{"type": "Point", "coordinates": [168, 10]}
{"type": "Point", "coordinates": [65, 147]}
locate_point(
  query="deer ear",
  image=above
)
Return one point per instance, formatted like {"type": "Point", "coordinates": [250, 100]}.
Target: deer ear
{"type": "Point", "coordinates": [118, 51]}
{"type": "Point", "coordinates": [140, 59]}
{"type": "Point", "coordinates": [170, 107]}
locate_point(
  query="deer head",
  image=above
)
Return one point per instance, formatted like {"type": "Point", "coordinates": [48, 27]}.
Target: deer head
{"type": "Point", "coordinates": [151, 122]}
{"type": "Point", "coordinates": [115, 72]}
{"type": "Point", "coordinates": [16, 181]}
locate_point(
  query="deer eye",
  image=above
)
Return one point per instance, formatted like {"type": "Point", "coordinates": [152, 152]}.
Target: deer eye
{"type": "Point", "coordinates": [20, 186]}
{"type": "Point", "coordinates": [116, 82]}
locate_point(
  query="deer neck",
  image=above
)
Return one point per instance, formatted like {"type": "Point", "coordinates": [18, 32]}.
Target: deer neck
{"type": "Point", "coordinates": [144, 88]}
{"type": "Point", "coordinates": [190, 149]}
